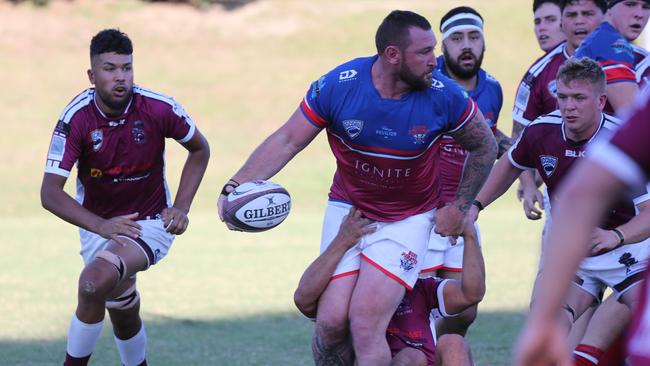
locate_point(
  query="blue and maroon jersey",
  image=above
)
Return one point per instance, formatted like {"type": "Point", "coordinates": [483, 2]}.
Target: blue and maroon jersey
{"type": "Point", "coordinates": [627, 156]}
{"type": "Point", "coordinates": [120, 161]}
{"type": "Point", "coordinates": [384, 148]}
{"type": "Point", "coordinates": [410, 326]}
{"type": "Point", "coordinates": [544, 146]}
{"type": "Point", "coordinates": [642, 66]}
{"type": "Point", "coordinates": [489, 98]}
{"type": "Point", "coordinates": [613, 52]}
{"type": "Point", "coordinates": [536, 94]}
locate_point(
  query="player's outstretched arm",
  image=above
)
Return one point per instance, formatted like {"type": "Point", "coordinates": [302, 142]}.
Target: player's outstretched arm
{"type": "Point", "coordinates": [175, 217]}
{"type": "Point", "coordinates": [57, 201]}
{"type": "Point", "coordinates": [501, 177]}
{"type": "Point", "coordinates": [316, 277]}
{"type": "Point", "coordinates": [273, 154]}
{"type": "Point", "coordinates": [470, 289]}
{"type": "Point", "coordinates": [477, 138]}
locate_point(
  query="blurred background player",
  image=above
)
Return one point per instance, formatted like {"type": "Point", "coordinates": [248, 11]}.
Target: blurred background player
{"type": "Point", "coordinates": [115, 134]}
{"type": "Point", "coordinates": [397, 96]}
{"type": "Point", "coordinates": [410, 338]}
{"type": "Point", "coordinates": [551, 145]}
{"type": "Point", "coordinates": [463, 47]}
{"type": "Point", "coordinates": [610, 45]}
{"type": "Point", "coordinates": [612, 169]}
{"type": "Point", "coordinates": [546, 24]}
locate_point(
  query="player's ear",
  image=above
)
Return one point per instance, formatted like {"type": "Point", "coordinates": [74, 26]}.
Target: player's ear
{"type": "Point", "coordinates": [393, 54]}
{"type": "Point", "coordinates": [91, 76]}
{"type": "Point", "coordinates": [602, 100]}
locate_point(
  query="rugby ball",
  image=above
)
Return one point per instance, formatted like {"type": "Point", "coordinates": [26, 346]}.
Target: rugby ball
{"type": "Point", "coordinates": [257, 206]}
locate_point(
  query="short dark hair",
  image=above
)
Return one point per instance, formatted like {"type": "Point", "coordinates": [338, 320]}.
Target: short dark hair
{"type": "Point", "coordinates": [111, 40]}
{"type": "Point", "coordinates": [602, 4]}
{"type": "Point", "coordinates": [582, 69]}
{"type": "Point", "coordinates": [394, 30]}
{"type": "Point", "coordinates": [458, 10]}
{"type": "Point", "coordinates": [538, 3]}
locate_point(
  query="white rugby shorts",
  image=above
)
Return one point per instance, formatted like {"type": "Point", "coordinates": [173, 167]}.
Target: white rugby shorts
{"type": "Point", "coordinates": [619, 269]}
{"type": "Point", "coordinates": [154, 242]}
{"type": "Point", "coordinates": [396, 248]}
{"type": "Point", "coordinates": [442, 255]}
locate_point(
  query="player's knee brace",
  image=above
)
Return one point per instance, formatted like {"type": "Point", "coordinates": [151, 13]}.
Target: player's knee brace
{"type": "Point", "coordinates": [115, 260]}
{"type": "Point", "coordinates": [126, 300]}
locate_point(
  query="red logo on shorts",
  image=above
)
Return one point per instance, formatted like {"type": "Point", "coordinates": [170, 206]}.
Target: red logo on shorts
{"type": "Point", "coordinates": [408, 260]}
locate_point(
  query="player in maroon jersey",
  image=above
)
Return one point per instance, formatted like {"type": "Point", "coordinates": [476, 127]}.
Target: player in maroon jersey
{"type": "Point", "coordinates": [551, 145]}
{"type": "Point", "coordinates": [546, 24]}
{"type": "Point", "coordinates": [612, 169]}
{"type": "Point", "coordinates": [409, 335]}
{"type": "Point", "coordinates": [115, 134]}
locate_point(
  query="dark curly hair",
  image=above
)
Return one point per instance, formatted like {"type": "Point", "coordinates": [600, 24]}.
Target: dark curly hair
{"type": "Point", "coordinates": [111, 40]}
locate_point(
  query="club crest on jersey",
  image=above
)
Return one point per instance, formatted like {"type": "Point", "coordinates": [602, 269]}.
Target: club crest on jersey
{"type": "Point", "coordinates": [97, 137]}
{"type": "Point", "coordinates": [352, 127]}
{"type": "Point", "coordinates": [419, 134]}
{"type": "Point", "coordinates": [408, 260]}
{"type": "Point", "coordinates": [549, 163]}
{"type": "Point", "coordinates": [552, 88]}
{"type": "Point", "coordinates": [138, 132]}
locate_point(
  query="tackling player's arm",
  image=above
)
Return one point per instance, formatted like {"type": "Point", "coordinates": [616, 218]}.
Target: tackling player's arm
{"type": "Point", "coordinates": [477, 138]}
{"type": "Point", "coordinates": [503, 142]}
{"type": "Point", "coordinates": [57, 201]}
{"type": "Point", "coordinates": [634, 231]}
{"type": "Point", "coordinates": [175, 217]}
{"type": "Point", "coordinates": [316, 277]}
{"type": "Point", "coordinates": [621, 95]}
{"type": "Point", "coordinates": [470, 289]}
{"type": "Point", "coordinates": [274, 153]}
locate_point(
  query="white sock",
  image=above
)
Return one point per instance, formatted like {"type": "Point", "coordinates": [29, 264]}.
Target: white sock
{"type": "Point", "coordinates": [82, 337]}
{"type": "Point", "coordinates": [132, 350]}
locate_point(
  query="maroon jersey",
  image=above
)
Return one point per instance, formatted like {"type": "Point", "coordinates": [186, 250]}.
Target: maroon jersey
{"type": "Point", "coordinates": [544, 146]}
{"type": "Point", "coordinates": [627, 155]}
{"type": "Point", "coordinates": [536, 94]}
{"type": "Point", "coordinates": [410, 325]}
{"type": "Point", "coordinates": [120, 161]}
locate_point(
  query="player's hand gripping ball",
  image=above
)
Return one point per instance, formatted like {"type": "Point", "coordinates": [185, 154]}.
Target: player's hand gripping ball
{"type": "Point", "coordinates": [257, 206]}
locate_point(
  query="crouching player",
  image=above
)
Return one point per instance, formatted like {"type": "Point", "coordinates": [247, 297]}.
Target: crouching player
{"type": "Point", "coordinates": [409, 333]}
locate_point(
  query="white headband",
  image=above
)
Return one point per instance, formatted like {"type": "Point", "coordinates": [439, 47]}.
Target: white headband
{"type": "Point", "coordinates": [460, 22]}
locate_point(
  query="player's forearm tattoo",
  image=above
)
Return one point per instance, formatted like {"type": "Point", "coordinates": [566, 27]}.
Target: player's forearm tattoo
{"type": "Point", "coordinates": [340, 354]}
{"type": "Point", "coordinates": [516, 130]}
{"type": "Point", "coordinates": [503, 142]}
{"type": "Point", "coordinates": [477, 138]}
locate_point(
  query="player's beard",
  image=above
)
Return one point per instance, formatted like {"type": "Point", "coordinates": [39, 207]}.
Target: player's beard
{"type": "Point", "coordinates": [113, 103]}
{"type": "Point", "coordinates": [461, 72]}
{"type": "Point", "coordinates": [414, 81]}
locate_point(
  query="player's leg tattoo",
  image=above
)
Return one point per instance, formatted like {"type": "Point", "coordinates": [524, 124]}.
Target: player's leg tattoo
{"type": "Point", "coordinates": [337, 354]}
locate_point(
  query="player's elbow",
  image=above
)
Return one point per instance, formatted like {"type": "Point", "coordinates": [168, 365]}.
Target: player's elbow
{"type": "Point", "coordinates": [306, 304]}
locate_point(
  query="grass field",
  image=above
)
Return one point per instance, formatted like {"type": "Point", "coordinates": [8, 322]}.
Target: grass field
{"type": "Point", "coordinates": [220, 298]}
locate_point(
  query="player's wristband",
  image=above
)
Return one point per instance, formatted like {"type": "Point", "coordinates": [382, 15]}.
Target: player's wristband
{"type": "Point", "coordinates": [478, 204]}
{"type": "Point", "coordinates": [231, 183]}
{"type": "Point", "coordinates": [619, 233]}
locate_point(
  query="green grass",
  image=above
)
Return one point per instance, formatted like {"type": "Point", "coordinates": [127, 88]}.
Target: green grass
{"type": "Point", "coordinates": [219, 298]}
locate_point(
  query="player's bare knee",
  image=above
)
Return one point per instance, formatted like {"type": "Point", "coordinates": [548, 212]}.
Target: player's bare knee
{"type": "Point", "coordinates": [95, 283]}
{"type": "Point", "coordinates": [452, 344]}
{"type": "Point", "coordinates": [409, 357]}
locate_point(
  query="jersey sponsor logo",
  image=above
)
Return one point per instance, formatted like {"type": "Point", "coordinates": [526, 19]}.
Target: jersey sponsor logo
{"type": "Point", "coordinates": [316, 87]}
{"type": "Point", "coordinates": [628, 261]}
{"type": "Point", "coordinates": [438, 84]}
{"type": "Point", "coordinates": [574, 154]}
{"type": "Point", "coordinates": [386, 132]}
{"type": "Point", "coordinates": [352, 127]}
{"type": "Point", "coordinates": [138, 132]}
{"type": "Point", "coordinates": [97, 137]}
{"type": "Point", "coordinates": [57, 148]}
{"type": "Point", "coordinates": [552, 88]}
{"type": "Point", "coordinates": [623, 46]}
{"type": "Point", "coordinates": [523, 94]}
{"type": "Point", "coordinates": [408, 260]}
{"type": "Point", "coordinates": [382, 173]}
{"type": "Point", "coordinates": [419, 134]}
{"type": "Point", "coordinates": [347, 75]}
{"type": "Point", "coordinates": [549, 163]}
{"type": "Point", "coordinates": [95, 173]}
{"type": "Point", "coordinates": [62, 128]}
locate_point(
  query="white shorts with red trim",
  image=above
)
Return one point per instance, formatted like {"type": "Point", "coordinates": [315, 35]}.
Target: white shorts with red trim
{"type": "Point", "coordinates": [154, 242]}
{"type": "Point", "coordinates": [443, 255]}
{"type": "Point", "coordinates": [396, 248]}
{"type": "Point", "coordinates": [620, 269]}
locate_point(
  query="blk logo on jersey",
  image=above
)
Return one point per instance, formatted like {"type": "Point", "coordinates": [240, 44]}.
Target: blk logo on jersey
{"type": "Point", "coordinates": [347, 75]}
{"type": "Point", "coordinates": [138, 132]}
{"type": "Point", "coordinates": [352, 127]}
{"type": "Point", "coordinates": [408, 260]}
{"type": "Point", "coordinates": [97, 137]}
{"type": "Point", "coordinates": [549, 163]}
